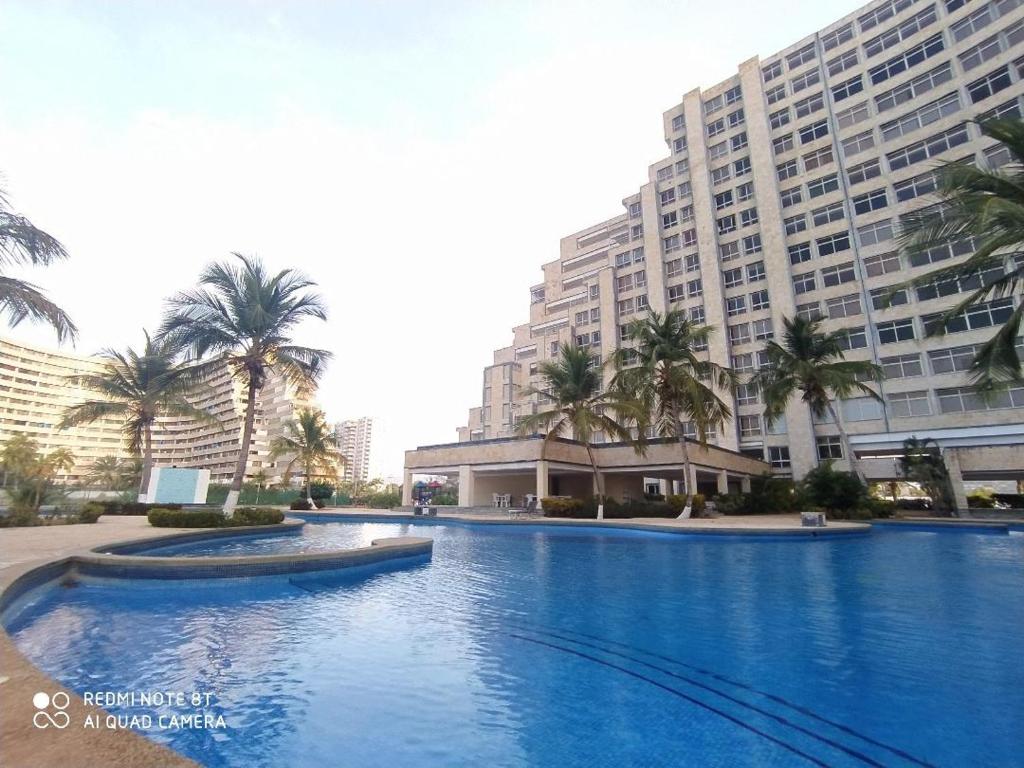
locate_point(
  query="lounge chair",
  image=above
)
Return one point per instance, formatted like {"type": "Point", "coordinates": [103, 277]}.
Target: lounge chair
{"type": "Point", "coordinates": [532, 509]}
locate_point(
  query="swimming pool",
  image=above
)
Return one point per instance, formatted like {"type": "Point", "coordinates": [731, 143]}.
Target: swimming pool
{"type": "Point", "coordinates": [562, 647]}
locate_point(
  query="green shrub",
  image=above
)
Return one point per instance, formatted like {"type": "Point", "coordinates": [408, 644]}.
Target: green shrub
{"type": "Point", "coordinates": [256, 516]}
{"type": "Point", "coordinates": [838, 493]}
{"type": "Point", "coordinates": [162, 517]}
{"type": "Point", "coordinates": [879, 507]}
{"type": "Point", "coordinates": [444, 499]}
{"type": "Point", "coordinates": [555, 507]}
{"type": "Point", "coordinates": [676, 502]}
{"type": "Point", "coordinates": [319, 503]}
{"type": "Point", "coordinates": [654, 496]}
{"type": "Point", "coordinates": [320, 490]}
{"type": "Point", "coordinates": [733, 503]}
{"type": "Point", "coordinates": [381, 500]}
{"type": "Point", "coordinates": [300, 505]}
{"type": "Point", "coordinates": [134, 507]}
{"type": "Point", "coordinates": [20, 518]}
{"type": "Point", "coordinates": [90, 512]}
{"type": "Point", "coordinates": [981, 500]}
{"type": "Point", "coordinates": [698, 505]}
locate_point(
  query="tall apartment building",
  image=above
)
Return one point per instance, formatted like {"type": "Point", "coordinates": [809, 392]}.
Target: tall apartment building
{"type": "Point", "coordinates": [36, 385]}
{"type": "Point", "coordinates": [355, 439]}
{"type": "Point", "coordinates": [781, 196]}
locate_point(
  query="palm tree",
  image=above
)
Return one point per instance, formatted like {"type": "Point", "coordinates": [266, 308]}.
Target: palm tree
{"type": "Point", "coordinates": [984, 207]}
{"type": "Point", "coordinates": [812, 363]}
{"type": "Point", "coordinates": [921, 462]}
{"type": "Point", "coordinates": [243, 316]}
{"type": "Point", "coordinates": [673, 384]}
{"type": "Point", "coordinates": [21, 242]}
{"type": "Point", "coordinates": [580, 405]}
{"type": "Point", "coordinates": [312, 444]}
{"type": "Point", "coordinates": [138, 388]}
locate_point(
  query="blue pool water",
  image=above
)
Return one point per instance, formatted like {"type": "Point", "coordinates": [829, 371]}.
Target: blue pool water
{"type": "Point", "coordinates": [564, 647]}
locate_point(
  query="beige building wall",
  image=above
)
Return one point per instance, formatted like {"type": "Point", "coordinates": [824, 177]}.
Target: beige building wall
{"type": "Point", "coordinates": [781, 194]}
{"type": "Point", "coordinates": [36, 385]}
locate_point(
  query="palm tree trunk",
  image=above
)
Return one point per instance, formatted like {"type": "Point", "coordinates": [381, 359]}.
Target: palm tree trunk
{"type": "Point", "coordinates": [309, 486]}
{"type": "Point", "coordinates": [147, 461]}
{"type": "Point", "coordinates": [845, 440]}
{"type": "Point", "coordinates": [687, 473]}
{"type": "Point", "coordinates": [243, 454]}
{"type": "Point", "coordinates": [598, 482]}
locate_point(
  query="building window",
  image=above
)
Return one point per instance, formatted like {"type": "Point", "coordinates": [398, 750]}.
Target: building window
{"type": "Point", "coordinates": [799, 253]}
{"type": "Point", "coordinates": [694, 288]}
{"type": "Point", "coordinates": [861, 409]}
{"type": "Point", "coordinates": [907, 404]}
{"type": "Point", "coordinates": [853, 338]}
{"type": "Point", "coordinates": [743, 363]}
{"type": "Point", "coordinates": [723, 200]}
{"type": "Point", "coordinates": [813, 131]}
{"type": "Point", "coordinates": [895, 35]}
{"type": "Point", "coordinates": [787, 170]}
{"type": "Point", "coordinates": [850, 116]}
{"type": "Point", "coordinates": [779, 118]}
{"type": "Point", "coordinates": [842, 62]}
{"type": "Point", "coordinates": [790, 197]}
{"type": "Point", "coordinates": [718, 151]}
{"type": "Point", "coordinates": [778, 456]}
{"type": "Point", "coordinates": [746, 394]}
{"type": "Point", "coordinates": [744, 192]}
{"type": "Point", "coordinates": [930, 147]}
{"type": "Point", "coordinates": [883, 264]}
{"type": "Point", "coordinates": [676, 293]}
{"type": "Point", "coordinates": [733, 277]}
{"type": "Point", "coordinates": [828, 214]}
{"type": "Point", "coordinates": [755, 272]}
{"type": "Point", "coordinates": [735, 118]}
{"type": "Point", "coordinates": [673, 267]}
{"type": "Point", "coordinates": [729, 251]}
{"type": "Point", "coordinates": [917, 186]}
{"type": "Point", "coordinates": [672, 244]}
{"type": "Point", "coordinates": [718, 175]}
{"type": "Point", "coordinates": [847, 88]}
{"type": "Point", "coordinates": [733, 95]}
{"type": "Point", "coordinates": [865, 171]}
{"type": "Point", "coordinates": [739, 333]}
{"type": "Point", "coordinates": [859, 143]}
{"type": "Point", "coordinates": [966, 399]}
{"type": "Point", "coordinates": [770, 71]}
{"type": "Point", "coordinates": [818, 159]}
{"type": "Point", "coordinates": [782, 144]}
{"type": "Point", "coordinates": [809, 311]}
{"type": "Point", "coordinates": [920, 117]}
{"type": "Point", "coordinates": [876, 16]}
{"type": "Point", "coordinates": [804, 282]}
{"type": "Point", "coordinates": [878, 232]}
{"type": "Point", "coordinates": [748, 217]}
{"type": "Point", "coordinates": [835, 244]}
{"type": "Point", "coordinates": [795, 224]}
{"type": "Point", "coordinates": [678, 123]}
{"type": "Point", "coordinates": [953, 359]}
{"type": "Point", "coordinates": [716, 127]}
{"type": "Point", "coordinates": [759, 300]}
{"type": "Point", "coordinates": [668, 196]}
{"type": "Point", "coordinates": [692, 262]}
{"type": "Point", "coordinates": [750, 426]}
{"type": "Point", "coordinates": [669, 220]}
{"type": "Point", "coordinates": [801, 56]}
{"type": "Point", "coordinates": [895, 331]}
{"type": "Point", "coordinates": [883, 298]}
{"type": "Point", "coordinates": [735, 305]}
{"type": "Point", "coordinates": [971, 319]}
{"type": "Point", "coordinates": [990, 84]}
{"type": "Point", "coordinates": [741, 167]}
{"type": "Point", "coordinates": [843, 306]}
{"type": "Point", "coordinates": [809, 106]}
{"type": "Point", "coordinates": [738, 142]}
{"type": "Point", "coordinates": [664, 174]}
{"type": "Point", "coordinates": [727, 224]}
{"type": "Point", "coordinates": [776, 94]}
{"type": "Point", "coordinates": [697, 314]}
{"type": "Point", "coordinates": [763, 329]}
{"type": "Point", "coordinates": [870, 201]}
{"type": "Point", "coordinates": [812, 77]}
{"type": "Point", "coordinates": [915, 88]}
{"type": "Point", "coordinates": [829, 447]}
{"type": "Point", "coordinates": [902, 366]}
{"type": "Point", "coordinates": [823, 186]}
{"type": "Point", "coordinates": [905, 61]}
{"type": "Point", "coordinates": [751, 244]}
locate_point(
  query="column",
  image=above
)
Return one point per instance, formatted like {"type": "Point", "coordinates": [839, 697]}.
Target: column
{"type": "Point", "coordinates": [956, 478]}
{"type": "Point", "coordinates": [745, 483]}
{"type": "Point", "coordinates": [542, 480]}
{"type": "Point", "coordinates": [465, 486]}
{"type": "Point", "coordinates": [723, 482]}
{"type": "Point", "coordinates": [407, 488]}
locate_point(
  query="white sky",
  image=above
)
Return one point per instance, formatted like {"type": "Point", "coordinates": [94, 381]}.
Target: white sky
{"type": "Point", "coordinates": [419, 160]}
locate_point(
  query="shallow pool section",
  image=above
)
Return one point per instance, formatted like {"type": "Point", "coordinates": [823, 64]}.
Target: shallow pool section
{"type": "Point", "coordinates": [534, 646]}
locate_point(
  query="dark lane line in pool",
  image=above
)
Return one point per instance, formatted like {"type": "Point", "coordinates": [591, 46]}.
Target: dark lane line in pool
{"type": "Point", "coordinates": [782, 720]}
{"type": "Point", "coordinates": [774, 697]}
{"type": "Point", "coordinates": [681, 695]}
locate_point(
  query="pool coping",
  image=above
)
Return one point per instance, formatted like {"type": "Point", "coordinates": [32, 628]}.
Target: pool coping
{"type": "Point", "coordinates": [23, 744]}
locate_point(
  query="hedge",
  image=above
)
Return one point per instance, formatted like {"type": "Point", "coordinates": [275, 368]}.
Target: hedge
{"type": "Point", "coordinates": [162, 517]}
{"type": "Point", "coordinates": [613, 510]}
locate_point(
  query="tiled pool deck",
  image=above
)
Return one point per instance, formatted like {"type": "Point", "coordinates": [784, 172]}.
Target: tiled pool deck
{"type": "Point", "coordinates": [22, 745]}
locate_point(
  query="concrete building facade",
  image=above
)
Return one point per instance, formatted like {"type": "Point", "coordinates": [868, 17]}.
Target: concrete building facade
{"type": "Point", "coordinates": [355, 441]}
{"type": "Point", "coordinates": [781, 195]}
{"type": "Point", "coordinates": [36, 385]}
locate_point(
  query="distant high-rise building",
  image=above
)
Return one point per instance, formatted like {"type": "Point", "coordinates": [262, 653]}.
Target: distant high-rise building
{"type": "Point", "coordinates": [37, 385]}
{"type": "Point", "coordinates": [354, 441]}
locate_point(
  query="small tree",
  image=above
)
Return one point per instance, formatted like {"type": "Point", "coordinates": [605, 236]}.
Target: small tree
{"type": "Point", "coordinates": [839, 493]}
{"type": "Point", "coordinates": [312, 444]}
{"type": "Point", "coordinates": [30, 474]}
{"type": "Point", "coordinates": [921, 463]}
